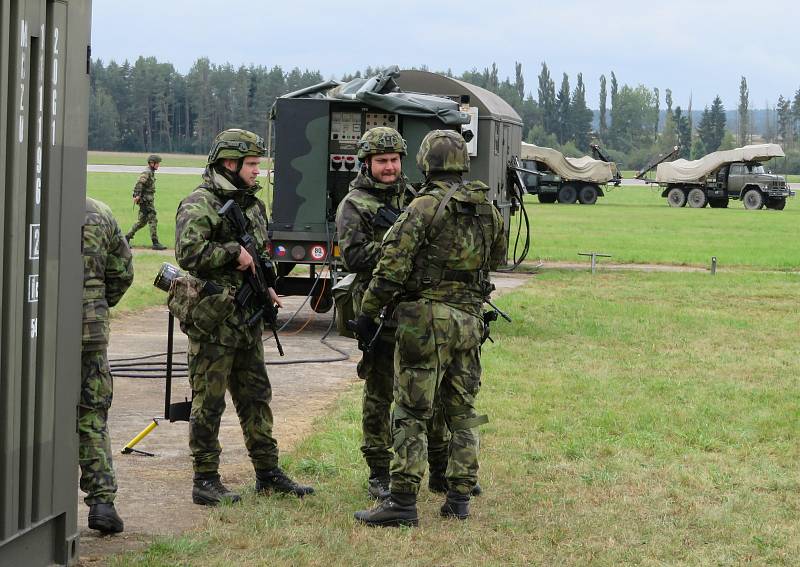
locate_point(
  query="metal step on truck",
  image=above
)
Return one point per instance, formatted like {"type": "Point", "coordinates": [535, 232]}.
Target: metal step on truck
{"type": "Point", "coordinates": [718, 177]}
{"type": "Point", "coordinates": [315, 133]}
{"type": "Point", "coordinates": [552, 177]}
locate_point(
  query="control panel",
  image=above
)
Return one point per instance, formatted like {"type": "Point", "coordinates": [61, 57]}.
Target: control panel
{"type": "Point", "coordinates": [347, 127]}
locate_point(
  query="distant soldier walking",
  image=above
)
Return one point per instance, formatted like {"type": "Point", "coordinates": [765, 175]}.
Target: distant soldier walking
{"type": "Point", "coordinates": [144, 194]}
{"type": "Point", "coordinates": [435, 261]}
{"type": "Point", "coordinates": [376, 197]}
{"type": "Point", "coordinates": [107, 274]}
{"type": "Point", "coordinates": [226, 351]}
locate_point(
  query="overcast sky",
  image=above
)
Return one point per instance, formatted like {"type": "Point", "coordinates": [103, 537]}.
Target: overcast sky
{"type": "Point", "coordinates": [697, 47]}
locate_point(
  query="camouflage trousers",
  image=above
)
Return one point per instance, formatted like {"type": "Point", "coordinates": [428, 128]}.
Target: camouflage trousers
{"type": "Point", "coordinates": [437, 353]}
{"type": "Point", "coordinates": [94, 444]}
{"type": "Point", "coordinates": [377, 371]}
{"type": "Point", "coordinates": [213, 369]}
{"type": "Point", "coordinates": [147, 215]}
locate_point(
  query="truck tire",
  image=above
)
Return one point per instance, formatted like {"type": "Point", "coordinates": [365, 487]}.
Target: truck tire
{"type": "Point", "coordinates": [676, 197]}
{"type": "Point", "coordinates": [753, 200]}
{"type": "Point", "coordinates": [568, 194]}
{"type": "Point", "coordinates": [697, 198]}
{"type": "Point", "coordinates": [776, 204]}
{"type": "Point", "coordinates": [719, 203]}
{"type": "Point", "coordinates": [587, 195]}
{"type": "Point", "coordinates": [547, 198]}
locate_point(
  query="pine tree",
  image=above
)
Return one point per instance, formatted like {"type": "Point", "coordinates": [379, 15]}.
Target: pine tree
{"type": "Point", "coordinates": [563, 108]}
{"type": "Point", "coordinates": [547, 100]}
{"type": "Point", "coordinates": [603, 96]}
{"type": "Point", "coordinates": [744, 116]}
{"type": "Point", "coordinates": [580, 116]}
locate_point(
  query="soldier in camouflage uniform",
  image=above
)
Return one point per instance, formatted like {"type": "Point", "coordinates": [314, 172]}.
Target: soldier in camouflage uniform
{"type": "Point", "coordinates": [225, 353]}
{"type": "Point", "coordinates": [107, 274]}
{"type": "Point", "coordinates": [376, 196]}
{"type": "Point", "coordinates": [435, 261]}
{"type": "Point", "coordinates": [144, 195]}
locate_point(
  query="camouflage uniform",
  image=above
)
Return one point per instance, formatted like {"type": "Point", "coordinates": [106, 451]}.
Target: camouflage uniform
{"type": "Point", "coordinates": [107, 274]}
{"type": "Point", "coordinates": [360, 232]}
{"type": "Point", "coordinates": [224, 352]}
{"type": "Point", "coordinates": [436, 263]}
{"type": "Point", "coordinates": [145, 189]}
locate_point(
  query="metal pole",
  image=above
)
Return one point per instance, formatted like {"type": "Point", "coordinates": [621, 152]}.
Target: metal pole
{"type": "Point", "coordinates": [594, 262]}
{"type": "Point", "coordinates": [168, 387]}
{"type": "Point", "coordinates": [713, 265]}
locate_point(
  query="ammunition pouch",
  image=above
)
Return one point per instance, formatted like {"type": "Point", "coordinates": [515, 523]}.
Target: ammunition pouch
{"type": "Point", "coordinates": [345, 310]}
{"type": "Point", "coordinates": [188, 293]}
{"type": "Point", "coordinates": [212, 310]}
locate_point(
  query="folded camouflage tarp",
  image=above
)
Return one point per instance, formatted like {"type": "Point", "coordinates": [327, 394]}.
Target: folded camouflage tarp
{"type": "Point", "coordinates": [570, 169]}
{"type": "Point", "coordinates": [381, 91]}
{"type": "Point", "coordinates": [685, 171]}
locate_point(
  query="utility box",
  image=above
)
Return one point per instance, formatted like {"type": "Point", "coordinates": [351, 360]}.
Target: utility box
{"type": "Point", "coordinates": [44, 97]}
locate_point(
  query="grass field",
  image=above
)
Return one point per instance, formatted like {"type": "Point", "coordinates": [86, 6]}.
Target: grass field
{"type": "Point", "coordinates": [635, 419]}
{"type": "Point", "coordinates": [635, 224]}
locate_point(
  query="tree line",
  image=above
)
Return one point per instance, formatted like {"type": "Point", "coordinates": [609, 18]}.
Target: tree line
{"type": "Point", "coordinates": [149, 106]}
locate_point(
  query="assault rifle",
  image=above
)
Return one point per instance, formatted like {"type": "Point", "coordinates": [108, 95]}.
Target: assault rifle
{"type": "Point", "coordinates": [255, 291]}
{"type": "Point", "coordinates": [490, 317]}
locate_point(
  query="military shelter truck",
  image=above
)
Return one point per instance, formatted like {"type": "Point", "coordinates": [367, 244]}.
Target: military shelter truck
{"type": "Point", "coordinates": [552, 177]}
{"type": "Point", "coordinates": [720, 176]}
{"type": "Point", "coordinates": [316, 131]}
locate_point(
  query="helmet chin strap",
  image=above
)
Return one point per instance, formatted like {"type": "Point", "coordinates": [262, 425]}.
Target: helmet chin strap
{"type": "Point", "coordinates": [233, 176]}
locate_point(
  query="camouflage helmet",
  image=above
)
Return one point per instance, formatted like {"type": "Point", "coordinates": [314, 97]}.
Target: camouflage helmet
{"type": "Point", "coordinates": [443, 151]}
{"type": "Point", "coordinates": [381, 140]}
{"type": "Point", "coordinates": [235, 143]}
{"type": "Point", "coordinates": [154, 157]}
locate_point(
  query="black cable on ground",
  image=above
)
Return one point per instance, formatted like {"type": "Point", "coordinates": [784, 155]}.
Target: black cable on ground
{"type": "Point", "coordinates": [134, 367]}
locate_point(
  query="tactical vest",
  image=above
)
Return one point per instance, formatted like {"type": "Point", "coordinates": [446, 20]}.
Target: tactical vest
{"type": "Point", "coordinates": [455, 217]}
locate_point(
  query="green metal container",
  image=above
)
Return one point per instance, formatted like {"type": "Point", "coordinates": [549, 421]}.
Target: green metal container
{"type": "Point", "coordinates": [44, 97]}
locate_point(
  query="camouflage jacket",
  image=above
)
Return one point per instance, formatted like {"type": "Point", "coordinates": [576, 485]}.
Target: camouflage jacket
{"type": "Point", "coordinates": [444, 257]}
{"type": "Point", "coordinates": [107, 272]}
{"type": "Point", "coordinates": [146, 187]}
{"type": "Point", "coordinates": [206, 246]}
{"type": "Point", "coordinates": [360, 226]}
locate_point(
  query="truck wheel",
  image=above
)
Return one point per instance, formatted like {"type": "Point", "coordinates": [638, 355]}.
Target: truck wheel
{"type": "Point", "coordinates": [718, 203]}
{"type": "Point", "coordinates": [587, 195]}
{"type": "Point", "coordinates": [676, 197]}
{"type": "Point", "coordinates": [697, 198]}
{"type": "Point", "coordinates": [547, 198]}
{"type": "Point", "coordinates": [568, 194]}
{"type": "Point", "coordinates": [753, 200]}
{"type": "Point", "coordinates": [777, 204]}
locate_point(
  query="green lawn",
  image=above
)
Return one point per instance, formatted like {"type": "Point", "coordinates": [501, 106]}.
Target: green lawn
{"type": "Point", "coordinates": [635, 224]}
{"type": "Point", "coordinates": [135, 158]}
{"type": "Point", "coordinates": [635, 419]}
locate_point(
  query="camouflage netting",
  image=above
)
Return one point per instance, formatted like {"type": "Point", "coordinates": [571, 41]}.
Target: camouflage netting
{"type": "Point", "coordinates": [381, 91]}
{"type": "Point", "coordinates": [570, 169]}
{"type": "Point", "coordinates": [685, 171]}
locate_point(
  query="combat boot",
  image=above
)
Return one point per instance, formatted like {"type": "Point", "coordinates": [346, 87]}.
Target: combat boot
{"type": "Point", "coordinates": [209, 491]}
{"type": "Point", "coordinates": [455, 506]}
{"type": "Point", "coordinates": [397, 510]}
{"type": "Point", "coordinates": [275, 480]}
{"type": "Point", "coordinates": [103, 517]}
{"type": "Point", "coordinates": [379, 483]}
{"type": "Point", "coordinates": [438, 484]}
{"type": "Point", "coordinates": [158, 246]}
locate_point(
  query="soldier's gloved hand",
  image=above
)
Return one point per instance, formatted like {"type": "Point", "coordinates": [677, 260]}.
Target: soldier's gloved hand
{"type": "Point", "coordinates": [364, 327]}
